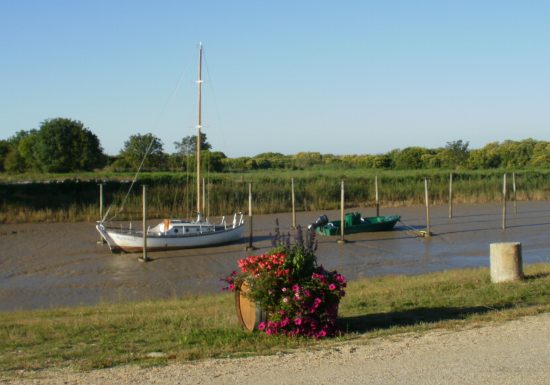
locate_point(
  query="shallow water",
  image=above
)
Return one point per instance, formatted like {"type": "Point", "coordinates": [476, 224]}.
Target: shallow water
{"type": "Point", "coordinates": [61, 264]}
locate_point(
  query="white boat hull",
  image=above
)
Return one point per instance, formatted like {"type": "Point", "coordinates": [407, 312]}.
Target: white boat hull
{"type": "Point", "coordinates": [132, 241]}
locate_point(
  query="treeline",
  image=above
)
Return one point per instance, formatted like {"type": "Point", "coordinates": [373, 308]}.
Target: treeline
{"type": "Point", "coordinates": [63, 145]}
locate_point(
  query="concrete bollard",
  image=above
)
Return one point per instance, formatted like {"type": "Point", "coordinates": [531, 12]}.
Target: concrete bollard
{"type": "Point", "coordinates": [506, 262]}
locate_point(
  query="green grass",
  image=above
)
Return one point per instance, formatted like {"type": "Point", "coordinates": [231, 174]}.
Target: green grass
{"type": "Point", "coordinates": [206, 326]}
{"type": "Point", "coordinates": [72, 197]}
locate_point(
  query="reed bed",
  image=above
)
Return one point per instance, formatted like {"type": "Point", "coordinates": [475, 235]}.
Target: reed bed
{"type": "Point", "coordinates": [172, 194]}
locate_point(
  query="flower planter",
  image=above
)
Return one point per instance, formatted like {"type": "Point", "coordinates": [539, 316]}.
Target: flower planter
{"type": "Point", "coordinates": [250, 315]}
{"type": "Point", "coordinates": [302, 297]}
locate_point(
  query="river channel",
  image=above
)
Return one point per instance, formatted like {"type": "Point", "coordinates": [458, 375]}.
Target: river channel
{"type": "Point", "coordinates": [47, 265]}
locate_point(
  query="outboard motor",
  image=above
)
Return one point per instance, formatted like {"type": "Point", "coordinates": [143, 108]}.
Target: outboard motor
{"type": "Point", "coordinates": [320, 222]}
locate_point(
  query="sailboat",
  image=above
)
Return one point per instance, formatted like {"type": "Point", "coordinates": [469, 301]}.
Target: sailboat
{"type": "Point", "coordinates": [172, 234]}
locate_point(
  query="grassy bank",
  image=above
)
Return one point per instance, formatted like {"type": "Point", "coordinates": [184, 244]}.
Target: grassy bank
{"type": "Point", "coordinates": [202, 327]}
{"type": "Point", "coordinates": [56, 198]}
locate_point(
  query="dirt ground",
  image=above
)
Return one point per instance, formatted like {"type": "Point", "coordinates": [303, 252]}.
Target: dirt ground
{"type": "Point", "coordinates": [514, 352]}
{"type": "Point", "coordinates": [60, 264]}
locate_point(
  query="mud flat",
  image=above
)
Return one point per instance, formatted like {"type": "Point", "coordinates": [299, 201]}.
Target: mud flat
{"type": "Point", "coordinates": [61, 264]}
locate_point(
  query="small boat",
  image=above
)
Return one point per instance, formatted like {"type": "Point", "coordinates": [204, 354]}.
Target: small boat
{"type": "Point", "coordinates": [354, 223]}
{"type": "Point", "coordinates": [172, 234]}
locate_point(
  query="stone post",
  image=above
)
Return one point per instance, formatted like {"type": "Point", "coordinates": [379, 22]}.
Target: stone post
{"type": "Point", "coordinates": [506, 262]}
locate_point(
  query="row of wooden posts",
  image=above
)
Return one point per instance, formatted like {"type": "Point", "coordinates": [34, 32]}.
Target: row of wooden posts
{"type": "Point", "coordinates": [342, 239]}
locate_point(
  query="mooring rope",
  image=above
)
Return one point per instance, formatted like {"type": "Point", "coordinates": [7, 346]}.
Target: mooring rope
{"type": "Point", "coordinates": [157, 120]}
{"type": "Point", "coordinates": [419, 233]}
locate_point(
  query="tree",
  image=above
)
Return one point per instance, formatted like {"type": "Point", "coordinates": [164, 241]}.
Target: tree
{"type": "Point", "coordinates": [455, 154]}
{"type": "Point", "coordinates": [383, 161]}
{"type": "Point", "coordinates": [484, 158]}
{"type": "Point", "coordinates": [410, 158]}
{"type": "Point", "coordinates": [139, 147]}
{"type": "Point", "coordinates": [21, 155]}
{"type": "Point", "coordinates": [4, 150]}
{"type": "Point", "coordinates": [61, 145]}
{"type": "Point", "coordinates": [541, 155]}
{"type": "Point", "coordinates": [304, 160]}
{"type": "Point", "coordinates": [188, 145]}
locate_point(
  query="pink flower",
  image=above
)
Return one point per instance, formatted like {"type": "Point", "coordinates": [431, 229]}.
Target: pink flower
{"type": "Point", "coordinates": [261, 326]}
{"type": "Point", "coordinates": [298, 321]}
{"type": "Point", "coordinates": [295, 288]}
{"type": "Point", "coordinates": [231, 287]}
{"type": "Point", "coordinates": [332, 286]}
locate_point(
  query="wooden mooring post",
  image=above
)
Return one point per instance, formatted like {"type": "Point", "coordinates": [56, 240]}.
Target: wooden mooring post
{"type": "Point", "coordinates": [504, 202]}
{"type": "Point", "coordinates": [451, 196]}
{"type": "Point", "coordinates": [293, 204]}
{"type": "Point", "coordinates": [144, 257]}
{"type": "Point", "coordinates": [514, 192]}
{"type": "Point", "coordinates": [427, 198]}
{"type": "Point", "coordinates": [342, 239]}
{"type": "Point", "coordinates": [376, 196]}
{"type": "Point", "coordinates": [101, 239]}
{"type": "Point", "coordinates": [250, 226]}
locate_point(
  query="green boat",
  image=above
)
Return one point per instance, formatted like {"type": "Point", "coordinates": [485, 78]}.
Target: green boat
{"type": "Point", "coordinates": [354, 223]}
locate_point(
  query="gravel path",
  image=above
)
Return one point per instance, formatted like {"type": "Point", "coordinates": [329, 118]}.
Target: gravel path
{"type": "Point", "coordinates": [514, 352]}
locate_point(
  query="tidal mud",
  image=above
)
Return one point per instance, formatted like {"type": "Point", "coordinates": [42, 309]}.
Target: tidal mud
{"type": "Point", "coordinates": [61, 264]}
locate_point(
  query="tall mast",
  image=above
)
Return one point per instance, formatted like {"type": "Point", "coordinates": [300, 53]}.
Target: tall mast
{"type": "Point", "coordinates": [199, 125]}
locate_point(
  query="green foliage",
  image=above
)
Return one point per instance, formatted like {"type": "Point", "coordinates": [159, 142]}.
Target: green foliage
{"type": "Point", "coordinates": [142, 148]}
{"type": "Point", "coordinates": [300, 253]}
{"type": "Point", "coordinates": [409, 158]}
{"type": "Point", "coordinates": [60, 145]}
{"type": "Point", "coordinates": [188, 145]}
{"type": "Point", "coordinates": [4, 150]}
{"type": "Point", "coordinates": [454, 155]}
{"type": "Point", "coordinates": [65, 145]}
{"type": "Point", "coordinates": [21, 155]}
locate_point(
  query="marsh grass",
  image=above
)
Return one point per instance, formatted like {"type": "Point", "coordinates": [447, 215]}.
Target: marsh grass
{"type": "Point", "coordinates": [75, 197]}
{"type": "Point", "coordinates": [200, 327]}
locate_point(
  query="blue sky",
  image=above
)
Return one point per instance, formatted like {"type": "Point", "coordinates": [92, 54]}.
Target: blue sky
{"type": "Point", "coordinates": [283, 76]}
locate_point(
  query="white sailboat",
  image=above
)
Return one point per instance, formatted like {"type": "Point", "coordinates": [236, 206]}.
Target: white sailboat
{"type": "Point", "coordinates": [171, 234]}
